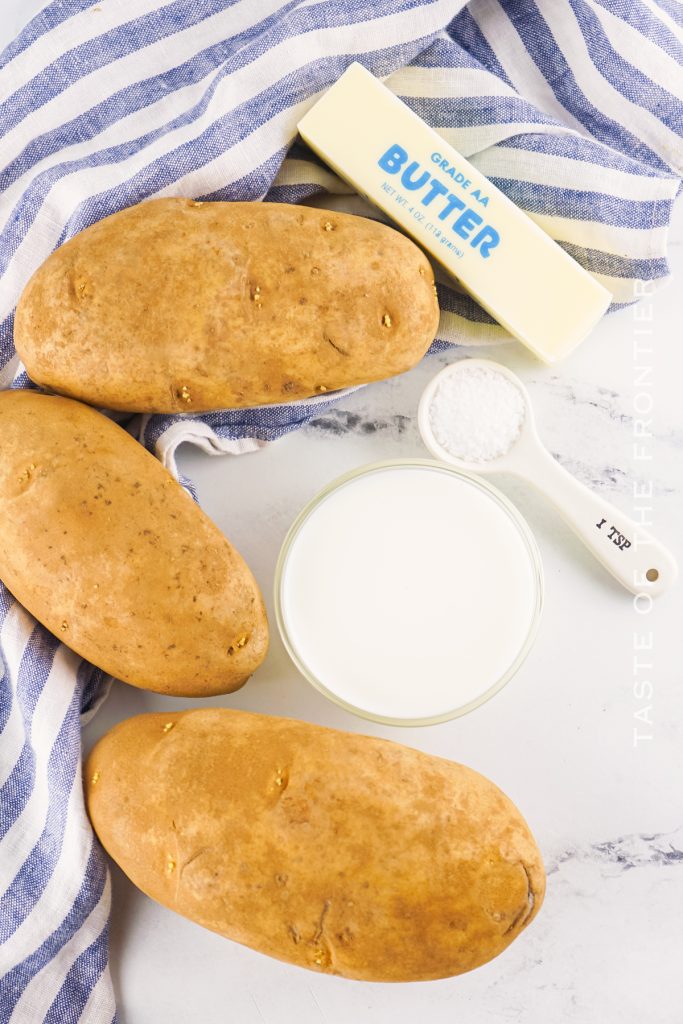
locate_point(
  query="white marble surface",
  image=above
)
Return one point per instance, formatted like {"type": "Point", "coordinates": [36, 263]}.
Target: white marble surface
{"type": "Point", "coordinates": [559, 739]}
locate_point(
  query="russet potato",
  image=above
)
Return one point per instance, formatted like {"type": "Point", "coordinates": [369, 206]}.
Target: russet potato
{"type": "Point", "coordinates": [107, 550]}
{"type": "Point", "coordinates": [342, 853]}
{"type": "Point", "coordinates": [179, 306]}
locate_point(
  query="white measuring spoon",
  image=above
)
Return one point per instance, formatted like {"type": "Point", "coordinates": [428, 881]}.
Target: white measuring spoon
{"type": "Point", "coordinates": [633, 556]}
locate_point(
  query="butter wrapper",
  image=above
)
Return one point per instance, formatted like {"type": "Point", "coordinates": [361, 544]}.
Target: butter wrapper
{"type": "Point", "coordinates": [524, 279]}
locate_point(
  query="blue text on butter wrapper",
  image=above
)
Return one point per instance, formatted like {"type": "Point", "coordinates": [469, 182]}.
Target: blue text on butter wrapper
{"type": "Point", "coordinates": [414, 179]}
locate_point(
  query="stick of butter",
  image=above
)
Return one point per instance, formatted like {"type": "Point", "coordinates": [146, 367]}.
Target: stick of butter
{"type": "Point", "coordinates": [497, 253]}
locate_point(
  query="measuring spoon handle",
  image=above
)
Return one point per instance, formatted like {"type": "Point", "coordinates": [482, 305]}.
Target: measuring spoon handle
{"type": "Point", "coordinates": [626, 549]}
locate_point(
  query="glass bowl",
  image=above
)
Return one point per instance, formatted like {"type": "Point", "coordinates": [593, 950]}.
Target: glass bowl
{"type": "Point", "coordinates": [298, 530]}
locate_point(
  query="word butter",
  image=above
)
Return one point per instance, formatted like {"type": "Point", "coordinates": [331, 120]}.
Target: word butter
{"type": "Point", "coordinates": [497, 253]}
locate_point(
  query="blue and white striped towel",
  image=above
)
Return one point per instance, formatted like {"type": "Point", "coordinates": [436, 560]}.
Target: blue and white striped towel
{"type": "Point", "coordinates": [573, 107]}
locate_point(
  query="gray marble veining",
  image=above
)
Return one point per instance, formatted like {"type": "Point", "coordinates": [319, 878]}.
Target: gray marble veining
{"type": "Point", "coordinates": [626, 852]}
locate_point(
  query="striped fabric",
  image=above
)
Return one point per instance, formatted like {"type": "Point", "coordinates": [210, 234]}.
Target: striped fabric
{"type": "Point", "coordinates": [574, 108]}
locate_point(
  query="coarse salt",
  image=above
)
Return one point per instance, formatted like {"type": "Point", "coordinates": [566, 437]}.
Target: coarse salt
{"type": "Point", "coordinates": [476, 413]}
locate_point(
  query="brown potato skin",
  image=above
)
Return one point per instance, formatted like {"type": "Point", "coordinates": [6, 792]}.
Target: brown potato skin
{"type": "Point", "coordinates": [103, 547]}
{"type": "Point", "coordinates": [179, 306]}
{"type": "Point", "coordinates": [343, 853]}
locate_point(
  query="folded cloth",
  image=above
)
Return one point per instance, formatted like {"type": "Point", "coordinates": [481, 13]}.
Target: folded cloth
{"type": "Point", "coordinates": [574, 108]}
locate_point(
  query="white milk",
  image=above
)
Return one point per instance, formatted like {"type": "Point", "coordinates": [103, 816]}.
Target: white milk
{"type": "Point", "coordinates": [409, 591]}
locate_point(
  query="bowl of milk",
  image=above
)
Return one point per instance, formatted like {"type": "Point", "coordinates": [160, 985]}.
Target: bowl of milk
{"type": "Point", "coordinates": [409, 592]}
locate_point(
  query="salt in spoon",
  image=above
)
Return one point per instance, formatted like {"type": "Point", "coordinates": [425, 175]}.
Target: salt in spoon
{"type": "Point", "coordinates": [628, 551]}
